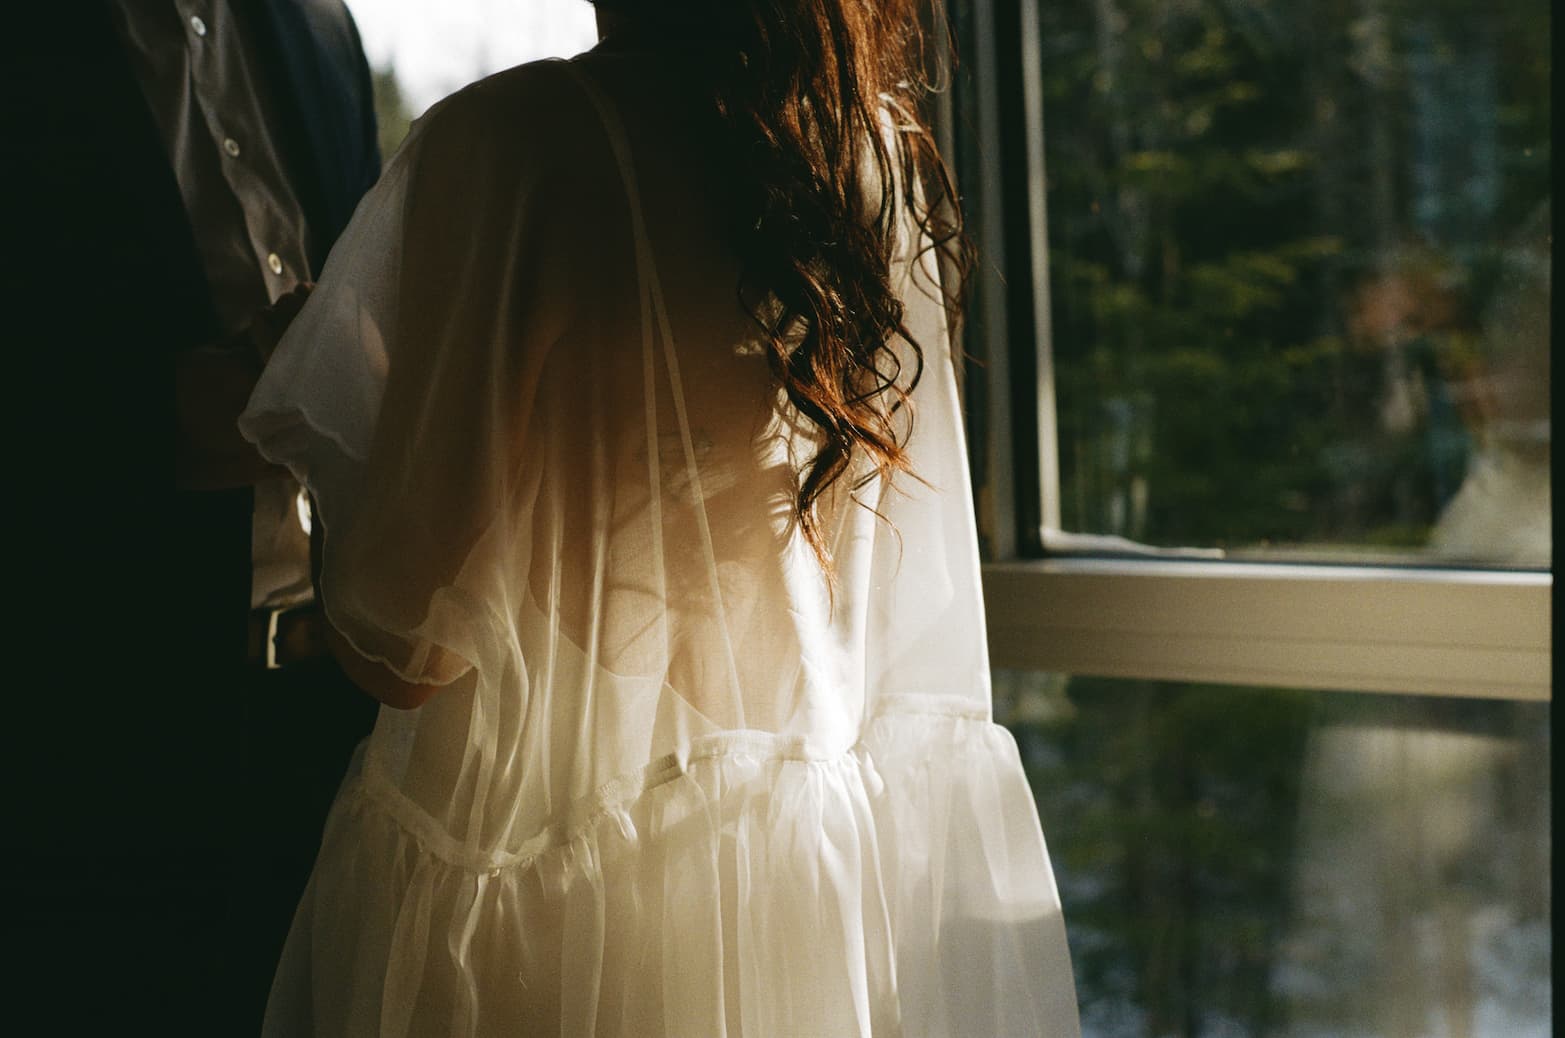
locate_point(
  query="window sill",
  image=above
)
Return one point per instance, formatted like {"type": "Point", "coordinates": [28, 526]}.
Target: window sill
{"type": "Point", "coordinates": [1474, 633]}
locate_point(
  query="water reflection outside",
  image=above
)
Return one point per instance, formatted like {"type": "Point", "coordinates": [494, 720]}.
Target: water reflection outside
{"type": "Point", "coordinates": [1256, 862]}
{"type": "Point", "coordinates": [1300, 274]}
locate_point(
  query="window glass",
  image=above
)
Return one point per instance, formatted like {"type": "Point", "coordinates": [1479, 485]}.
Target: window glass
{"type": "Point", "coordinates": [421, 51]}
{"type": "Point", "coordinates": [1299, 267]}
{"type": "Point", "coordinates": [1238, 862]}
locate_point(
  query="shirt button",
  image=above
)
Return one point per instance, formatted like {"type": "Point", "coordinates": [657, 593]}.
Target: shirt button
{"type": "Point", "coordinates": [198, 25]}
{"type": "Point", "coordinates": [231, 146]}
{"type": "Point", "coordinates": [275, 262]}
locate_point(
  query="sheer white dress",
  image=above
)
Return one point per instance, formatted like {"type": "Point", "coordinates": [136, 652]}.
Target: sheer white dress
{"type": "Point", "coordinates": [674, 786]}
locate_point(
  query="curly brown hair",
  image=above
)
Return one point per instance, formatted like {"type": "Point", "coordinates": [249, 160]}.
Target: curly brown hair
{"type": "Point", "coordinates": [820, 106]}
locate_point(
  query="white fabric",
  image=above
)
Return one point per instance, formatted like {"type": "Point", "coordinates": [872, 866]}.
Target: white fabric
{"type": "Point", "coordinates": [675, 786]}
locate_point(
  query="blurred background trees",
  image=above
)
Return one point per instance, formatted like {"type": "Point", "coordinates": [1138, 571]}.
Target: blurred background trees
{"type": "Point", "coordinates": [1275, 230]}
{"type": "Point", "coordinates": [392, 111]}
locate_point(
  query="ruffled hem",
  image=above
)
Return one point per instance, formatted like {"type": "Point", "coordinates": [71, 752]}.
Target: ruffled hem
{"type": "Point", "coordinates": [750, 885]}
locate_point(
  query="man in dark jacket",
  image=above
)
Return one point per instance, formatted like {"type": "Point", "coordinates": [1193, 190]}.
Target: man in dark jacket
{"type": "Point", "coordinates": [176, 172]}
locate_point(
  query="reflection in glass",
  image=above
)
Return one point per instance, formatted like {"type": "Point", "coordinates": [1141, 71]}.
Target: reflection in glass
{"type": "Point", "coordinates": [1299, 260]}
{"type": "Point", "coordinates": [1249, 862]}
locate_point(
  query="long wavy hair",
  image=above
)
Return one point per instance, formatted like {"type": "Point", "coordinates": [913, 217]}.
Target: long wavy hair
{"type": "Point", "coordinates": [820, 104]}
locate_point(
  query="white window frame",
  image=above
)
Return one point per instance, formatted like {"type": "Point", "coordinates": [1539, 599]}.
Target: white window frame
{"type": "Point", "coordinates": [1421, 631]}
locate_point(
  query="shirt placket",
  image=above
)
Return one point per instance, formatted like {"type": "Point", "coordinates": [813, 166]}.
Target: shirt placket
{"type": "Point", "coordinates": [249, 165]}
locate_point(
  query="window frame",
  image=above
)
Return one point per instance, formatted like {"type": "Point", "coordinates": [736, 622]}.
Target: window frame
{"type": "Point", "coordinates": [1414, 630]}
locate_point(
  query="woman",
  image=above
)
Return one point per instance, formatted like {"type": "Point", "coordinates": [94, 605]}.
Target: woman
{"type": "Point", "coordinates": [629, 407]}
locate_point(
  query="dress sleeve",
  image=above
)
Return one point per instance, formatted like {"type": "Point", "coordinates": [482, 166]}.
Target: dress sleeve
{"type": "Point", "coordinates": [400, 395]}
{"type": "Point", "coordinates": [926, 623]}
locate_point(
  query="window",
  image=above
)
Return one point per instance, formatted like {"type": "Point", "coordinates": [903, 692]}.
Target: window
{"type": "Point", "coordinates": [1259, 417]}
{"type": "Point", "coordinates": [1265, 861]}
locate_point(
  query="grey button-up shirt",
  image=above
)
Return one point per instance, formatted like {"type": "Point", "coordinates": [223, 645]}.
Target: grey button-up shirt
{"type": "Point", "coordinates": [209, 100]}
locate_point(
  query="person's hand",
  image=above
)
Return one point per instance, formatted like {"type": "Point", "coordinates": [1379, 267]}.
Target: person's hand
{"type": "Point", "coordinates": [266, 329]}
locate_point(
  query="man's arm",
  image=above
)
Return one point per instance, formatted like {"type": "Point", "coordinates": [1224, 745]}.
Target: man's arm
{"type": "Point", "coordinates": [212, 385]}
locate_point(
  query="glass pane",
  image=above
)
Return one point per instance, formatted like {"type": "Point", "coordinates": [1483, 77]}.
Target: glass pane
{"type": "Point", "coordinates": [1300, 271]}
{"type": "Point", "coordinates": [1238, 862]}
{"type": "Point", "coordinates": [421, 51]}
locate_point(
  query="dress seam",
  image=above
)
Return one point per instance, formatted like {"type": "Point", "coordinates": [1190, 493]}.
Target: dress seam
{"type": "Point", "coordinates": [374, 786]}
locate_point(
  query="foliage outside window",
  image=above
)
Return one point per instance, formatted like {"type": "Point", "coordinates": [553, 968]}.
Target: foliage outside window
{"type": "Point", "coordinates": [1299, 258]}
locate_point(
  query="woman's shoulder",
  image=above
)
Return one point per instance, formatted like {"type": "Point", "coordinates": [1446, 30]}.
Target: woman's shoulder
{"type": "Point", "coordinates": [533, 89]}
{"type": "Point", "coordinates": [528, 118]}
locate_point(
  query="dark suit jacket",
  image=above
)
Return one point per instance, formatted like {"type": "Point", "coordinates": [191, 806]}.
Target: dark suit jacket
{"type": "Point", "coordinates": [133, 597]}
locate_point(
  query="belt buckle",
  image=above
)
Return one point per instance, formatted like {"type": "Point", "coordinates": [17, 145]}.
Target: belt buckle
{"type": "Point", "coordinates": [269, 653]}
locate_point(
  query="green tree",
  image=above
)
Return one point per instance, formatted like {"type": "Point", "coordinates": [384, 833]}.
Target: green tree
{"type": "Point", "coordinates": [391, 109]}
{"type": "Point", "coordinates": [1241, 194]}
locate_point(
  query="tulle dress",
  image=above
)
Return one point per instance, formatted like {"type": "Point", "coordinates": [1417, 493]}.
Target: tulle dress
{"type": "Point", "coordinates": [676, 785]}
